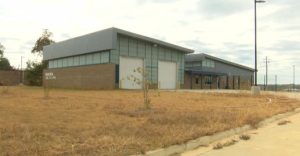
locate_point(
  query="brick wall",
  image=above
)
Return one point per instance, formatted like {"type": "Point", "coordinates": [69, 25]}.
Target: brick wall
{"type": "Point", "coordinates": [221, 82]}
{"type": "Point", "coordinates": [85, 77]}
{"type": "Point", "coordinates": [10, 78]}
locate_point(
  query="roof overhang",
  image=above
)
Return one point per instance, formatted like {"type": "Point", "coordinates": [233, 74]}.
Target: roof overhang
{"type": "Point", "coordinates": [202, 56]}
{"type": "Point", "coordinates": [201, 72]}
{"type": "Point", "coordinates": [98, 41]}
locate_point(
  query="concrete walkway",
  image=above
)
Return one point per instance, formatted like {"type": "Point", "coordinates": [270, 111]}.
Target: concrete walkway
{"type": "Point", "coordinates": [272, 140]}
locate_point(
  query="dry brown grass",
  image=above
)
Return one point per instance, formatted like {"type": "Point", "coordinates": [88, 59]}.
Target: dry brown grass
{"type": "Point", "coordinates": [74, 122]}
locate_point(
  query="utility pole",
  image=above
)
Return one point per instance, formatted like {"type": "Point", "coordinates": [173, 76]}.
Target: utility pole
{"type": "Point", "coordinates": [255, 42]}
{"type": "Point", "coordinates": [267, 72]}
{"type": "Point", "coordinates": [255, 89]}
{"type": "Point", "coordinates": [22, 73]}
{"type": "Point", "coordinates": [275, 83]}
{"type": "Point", "coordinates": [255, 37]}
{"type": "Point", "coordinates": [266, 76]}
{"type": "Point", "coordinates": [21, 61]}
{"type": "Point", "coordinates": [294, 87]}
{"type": "Point", "coordinates": [264, 82]}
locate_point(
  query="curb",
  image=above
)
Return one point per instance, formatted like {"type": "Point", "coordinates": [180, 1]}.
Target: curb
{"type": "Point", "coordinates": [206, 140]}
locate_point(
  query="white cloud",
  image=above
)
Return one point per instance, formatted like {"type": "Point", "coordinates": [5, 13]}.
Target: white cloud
{"type": "Point", "coordinates": [222, 28]}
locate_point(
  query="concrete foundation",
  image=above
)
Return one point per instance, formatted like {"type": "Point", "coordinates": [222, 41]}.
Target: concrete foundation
{"type": "Point", "coordinates": [255, 90]}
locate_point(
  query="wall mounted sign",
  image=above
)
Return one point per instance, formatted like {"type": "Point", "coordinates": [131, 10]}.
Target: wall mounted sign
{"type": "Point", "coordinates": [50, 76]}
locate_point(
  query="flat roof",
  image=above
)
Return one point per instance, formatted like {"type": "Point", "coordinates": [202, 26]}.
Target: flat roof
{"type": "Point", "coordinates": [98, 41]}
{"type": "Point", "coordinates": [202, 56]}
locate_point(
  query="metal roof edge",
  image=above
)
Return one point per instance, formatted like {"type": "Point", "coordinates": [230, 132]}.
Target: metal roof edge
{"type": "Point", "coordinates": [204, 55]}
{"type": "Point", "coordinates": [156, 41]}
{"type": "Point", "coordinates": [115, 30]}
{"type": "Point", "coordinates": [107, 29]}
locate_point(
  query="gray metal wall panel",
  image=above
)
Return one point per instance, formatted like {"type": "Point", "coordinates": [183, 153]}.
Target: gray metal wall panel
{"type": "Point", "coordinates": [152, 54]}
{"type": "Point", "coordinates": [221, 67]}
{"type": "Point", "coordinates": [152, 40]}
{"type": "Point", "coordinates": [228, 69]}
{"type": "Point", "coordinates": [202, 56]}
{"type": "Point", "coordinates": [98, 41]}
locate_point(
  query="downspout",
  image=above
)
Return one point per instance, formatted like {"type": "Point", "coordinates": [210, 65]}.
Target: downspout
{"type": "Point", "coordinates": [191, 85]}
{"type": "Point", "coordinates": [201, 81]}
{"type": "Point", "coordinates": [211, 78]}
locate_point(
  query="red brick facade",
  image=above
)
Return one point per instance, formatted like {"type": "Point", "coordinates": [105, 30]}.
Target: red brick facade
{"type": "Point", "coordinates": [10, 78]}
{"type": "Point", "coordinates": [100, 76]}
{"type": "Point", "coordinates": [216, 82]}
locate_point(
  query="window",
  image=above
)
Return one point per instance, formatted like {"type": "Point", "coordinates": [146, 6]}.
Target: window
{"type": "Point", "coordinates": [197, 80]}
{"type": "Point", "coordinates": [89, 59]}
{"type": "Point", "coordinates": [59, 63]}
{"type": "Point", "coordinates": [82, 60]}
{"type": "Point", "coordinates": [188, 65]}
{"type": "Point", "coordinates": [208, 63]}
{"type": "Point", "coordinates": [132, 47]}
{"type": "Point", "coordinates": [208, 79]}
{"type": "Point", "coordinates": [65, 62]}
{"type": "Point", "coordinates": [168, 55]}
{"type": "Point", "coordinates": [76, 61]}
{"type": "Point", "coordinates": [50, 64]}
{"type": "Point", "coordinates": [196, 64]}
{"type": "Point", "coordinates": [70, 61]}
{"type": "Point", "coordinates": [54, 63]}
{"type": "Point", "coordinates": [96, 58]}
{"type": "Point", "coordinates": [104, 57]}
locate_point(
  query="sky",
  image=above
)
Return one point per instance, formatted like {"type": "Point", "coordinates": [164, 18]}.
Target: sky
{"type": "Point", "coordinates": [222, 28]}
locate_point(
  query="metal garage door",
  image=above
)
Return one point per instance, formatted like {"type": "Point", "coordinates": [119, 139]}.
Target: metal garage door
{"type": "Point", "coordinates": [167, 72]}
{"type": "Point", "coordinates": [127, 67]}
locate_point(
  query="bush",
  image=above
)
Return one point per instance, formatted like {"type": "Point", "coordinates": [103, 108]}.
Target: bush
{"type": "Point", "coordinates": [34, 74]}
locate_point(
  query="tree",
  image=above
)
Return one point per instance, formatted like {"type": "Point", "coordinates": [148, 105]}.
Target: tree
{"type": "Point", "coordinates": [144, 82]}
{"type": "Point", "coordinates": [41, 42]}
{"type": "Point", "coordinates": [4, 64]}
{"type": "Point", "coordinates": [2, 48]}
{"type": "Point", "coordinates": [35, 69]}
{"type": "Point", "coordinates": [35, 73]}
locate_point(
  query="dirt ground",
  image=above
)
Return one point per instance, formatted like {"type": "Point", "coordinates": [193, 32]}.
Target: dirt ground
{"type": "Point", "coordinates": [76, 122]}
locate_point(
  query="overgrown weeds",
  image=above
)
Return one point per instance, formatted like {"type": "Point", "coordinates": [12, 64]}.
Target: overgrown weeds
{"type": "Point", "coordinates": [4, 90]}
{"type": "Point", "coordinates": [76, 122]}
{"type": "Point", "coordinates": [245, 137]}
